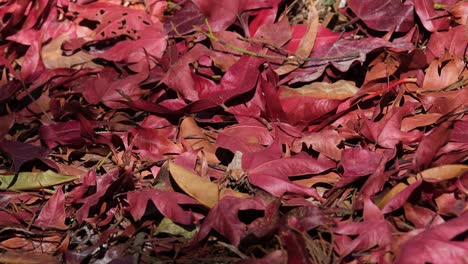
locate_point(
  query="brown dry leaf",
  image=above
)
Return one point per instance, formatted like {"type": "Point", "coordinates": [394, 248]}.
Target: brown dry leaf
{"type": "Point", "coordinates": [325, 142]}
{"type": "Point", "coordinates": [412, 122]}
{"type": "Point", "coordinates": [206, 192]}
{"type": "Point", "coordinates": [381, 68]}
{"type": "Point", "coordinates": [307, 42]}
{"type": "Point", "coordinates": [52, 57]}
{"type": "Point", "coordinates": [193, 137]}
{"type": "Point", "coordinates": [329, 178]}
{"type": "Point", "coordinates": [460, 12]}
{"type": "Point", "coordinates": [444, 72]}
{"type": "Point", "coordinates": [12, 257]}
{"type": "Point", "coordinates": [444, 172]}
{"type": "Point", "coordinates": [45, 245]}
{"type": "Point", "coordinates": [390, 194]}
{"type": "Point", "coordinates": [339, 90]}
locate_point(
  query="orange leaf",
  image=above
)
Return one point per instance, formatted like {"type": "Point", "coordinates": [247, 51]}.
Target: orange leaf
{"type": "Point", "coordinates": [193, 137]}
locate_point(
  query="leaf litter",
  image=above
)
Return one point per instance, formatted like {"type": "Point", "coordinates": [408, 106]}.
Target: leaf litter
{"type": "Point", "coordinates": [202, 131]}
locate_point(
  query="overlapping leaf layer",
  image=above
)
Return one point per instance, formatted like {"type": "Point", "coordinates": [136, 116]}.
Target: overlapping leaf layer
{"type": "Point", "coordinates": [233, 131]}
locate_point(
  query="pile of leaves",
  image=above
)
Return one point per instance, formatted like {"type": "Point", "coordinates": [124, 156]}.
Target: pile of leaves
{"type": "Point", "coordinates": [221, 131]}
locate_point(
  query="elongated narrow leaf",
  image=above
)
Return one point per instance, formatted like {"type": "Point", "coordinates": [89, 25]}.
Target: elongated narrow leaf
{"type": "Point", "coordinates": [33, 180]}
{"type": "Point", "coordinates": [443, 173]}
{"type": "Point", "coordinates": [206, 192]}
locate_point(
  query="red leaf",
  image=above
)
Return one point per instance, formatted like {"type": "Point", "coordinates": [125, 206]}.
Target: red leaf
{"type": "Point", "coordinates": [273, 176]}
{"type": "Point", "coordinates": [422, 217]}
{"type": "Point", "coordinates": [224, 218]}
{"type": "Point", "coordinates": [359, 162]}
{"type": "Point", "coordinates": [434, 245]}
{"type": "Point", "coordinates": [430, 145]}
{"type": "Point", "coordinates": [53, 213]}
{"type": "Point", "coordinates": [20, 152]}
{"type": "Point", "coordinates": [384, 15]}
{"type": "Point", "coordinates": [110, 88]}
{"type": "Point", "coordinates": [373, 231]}
{"type": "Point", "coordinates": [152, 143]}
{"type": "Point", "coordinates": [387, 131]}
{"type": "Point", "coordinates": [400, 199]}
{"type": "Point", "coordinates": [8, 220]}
{"type": "Point", "coordinates": [244, 138]}
{"type": "Point", "coordinates": [168, 203]}
{"type": "Point", "coordinates": [62, 133]}
{"type": "Point", "coordinates": [222, 13]}
{"type": "Point", "coordinates": [432, 19]}
{"type": "Point", "coordinates": [184, 20]}
{"type": "Point", "coordinates": [454, 41]}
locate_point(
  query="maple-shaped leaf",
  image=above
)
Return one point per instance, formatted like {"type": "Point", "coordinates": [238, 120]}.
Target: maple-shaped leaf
{"type": "Point", "coordinates": [53, 213]}
{"type": "Point", "coordinates": [397, 196]}
{"type": "Point", "coordinates": [167, 202]}
{"type": "Point", "coordinates": [453, 41]}
{"type": "Point", "coordinates": [422, 217]}
{"type": "Point", "coordinates": [222, 13]}
{"type": "Point", "coordinates": [273, 176]}
{"type": "Point", "coordinates": [325, 142]}
{"type": "Point", "coordinates": [433, 19]}
{"type": "Point", "coordinates": [359, 162]}
{"type": "Point", "coordinates": [431, 144]}
{"type": "Point", "coordinates": [62, 133]}
{"type": "Point", "coordinates": [224, 218]}
{"type": "Point", "coordinates": [373, 231]}
{"type": "Point", "coordinates": [384, 15]}
{"type": "Point", "coordinates": [184, 20]}
{"type": "Point", "coordinates": [387, 131]}
{"type": "Point", "coordinates": [20, 152]}
{"type": "Point", "coordinates": [152, 143]}
{"type": "Point", "coordinates": [110, 88]}
{"type": "Point", "coordinates": [150, 46]}
{"type": "Point", "coordinates": [103, 185]}
{"type": "Point", "coordinates": [113, 19]}
{"type": "Point", "coordinates": [435, 245]}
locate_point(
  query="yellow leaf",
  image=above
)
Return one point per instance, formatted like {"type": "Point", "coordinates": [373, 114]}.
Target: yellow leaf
{"type": "Point", "coordinates": [52, 57]}
{"type": "Point", "coordinates": [203, 190]}
{"type": "Point", "coordinates": [444, 172]}
{"type": "Point", "coordinates": [339, 90]}
{"type": "Point", "coordinates": [33, 180]}
{"type": "Point", "coordinates": [390, 194]}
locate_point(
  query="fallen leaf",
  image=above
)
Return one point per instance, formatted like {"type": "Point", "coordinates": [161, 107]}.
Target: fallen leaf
{"type": "Point", "coordinates": [203, 190]}
{"type": "Point", "coordinates": [307, 42]}
{"type": "Point", "coordinates": [443, 173]}
{"type": "Point", "coordinates": [33, 180]}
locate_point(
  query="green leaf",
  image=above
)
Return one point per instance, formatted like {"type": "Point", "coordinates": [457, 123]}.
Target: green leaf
{"type": "Point", "coordinates": [33, 180]}
{"type": "Point", "coordinates": [168, 227]}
